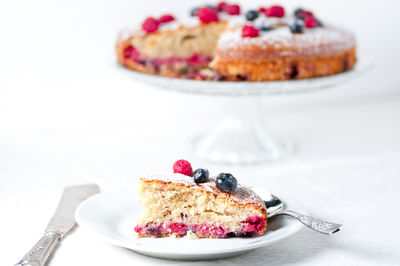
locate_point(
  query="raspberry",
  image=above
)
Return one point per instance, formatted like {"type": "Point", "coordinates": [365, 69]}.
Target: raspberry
{"type": "Point", "coordinates": [308, 13]}
{"type": "Point", "coordinates": [249, 31]}
{"type": "Point", "coordinates": [232, 9]}
{"type": "Point", "coordinates": [221, 6]}
{"type": "Point", "coordinates": [183, 167]}
{"type": "Point", "coordinates": [207, 15]}
{"type": "Point", "coordinates": [166, 18]}
{"type": "Point", "coordinates": [262, 10]}
{"type": "Point", "coordinates": [195, 75]}
{"type": "Point", "coordinates": [198, 60]}
{"type": "Point", "coordinates": [138, 229]}
{"type": "Point", "coordinates": [150, 25]}
{"type": "Point", "coordinates": [311, 22]}
{"type": "Point", "coordinates": [275, 11]}
{"type": "Point", "coordinates": [131, 53]}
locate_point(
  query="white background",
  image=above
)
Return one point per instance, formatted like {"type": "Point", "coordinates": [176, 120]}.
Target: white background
{"type": "Point", "coordinates": [68, 116]}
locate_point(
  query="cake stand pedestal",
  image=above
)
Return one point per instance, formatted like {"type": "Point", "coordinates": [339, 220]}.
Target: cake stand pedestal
{"type": "Point", "coordinates": [241, 136]}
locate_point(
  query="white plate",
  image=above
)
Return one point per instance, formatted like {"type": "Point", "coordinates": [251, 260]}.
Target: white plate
{"type": "Point", "coordinates": [112, 217]}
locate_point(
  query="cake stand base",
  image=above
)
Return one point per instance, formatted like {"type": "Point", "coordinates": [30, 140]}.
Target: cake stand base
{"type": "Point", "coordinates": [240, 135]}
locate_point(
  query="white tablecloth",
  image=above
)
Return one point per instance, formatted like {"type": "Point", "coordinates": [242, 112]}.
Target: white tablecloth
{"type": "Point", "coordinates": [67, 116]}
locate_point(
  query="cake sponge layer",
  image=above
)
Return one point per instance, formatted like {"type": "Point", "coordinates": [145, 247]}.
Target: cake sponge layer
{"type": "Point", "coordinates": [176, 208]}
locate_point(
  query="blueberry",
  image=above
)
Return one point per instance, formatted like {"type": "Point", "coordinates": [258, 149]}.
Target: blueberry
{"type": "Point", "coordinates": [193, 11]}
{"type": "Point", "coordinates": [299, 13]}
{"type": "Point", "coordinates": [153, 231]}
{"type": "Point", "coordinates": [320, 24]}
{"type": "Point", "coordinates": [251, 15]}
{"type": "Point", "coordinates": [265, 28]}
{"type": "Point", "coordinates": [226, 182]}
{"type": "Point", "coordinates": [297, 26]}
{"type": "Point", "coordinates": [200, 175]}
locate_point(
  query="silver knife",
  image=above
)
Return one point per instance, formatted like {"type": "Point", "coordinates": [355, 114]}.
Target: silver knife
{"type": "Point", "coordinates": [61, 223]}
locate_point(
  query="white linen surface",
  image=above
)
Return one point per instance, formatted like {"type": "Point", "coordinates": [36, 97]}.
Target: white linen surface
{"type": "Point", "coordinates": [68, 116]}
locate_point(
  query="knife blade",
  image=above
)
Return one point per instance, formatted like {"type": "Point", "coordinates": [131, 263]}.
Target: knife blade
{"type": "Point", "coordinates": [60, 224]}
{"type": "Point", "coordinates": [63, 220]}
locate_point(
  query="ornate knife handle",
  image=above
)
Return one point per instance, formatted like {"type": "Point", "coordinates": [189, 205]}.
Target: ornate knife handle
{"type": "Point", "coordinates": [315, 223]}
{"type": "Point", "coordinates": [39, 254]}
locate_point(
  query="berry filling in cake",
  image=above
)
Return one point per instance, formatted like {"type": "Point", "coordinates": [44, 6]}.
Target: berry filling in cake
{"type": "Point", "coordinates": [186, 202]}
{"type": "Point", "coordinates": [182, 66]}
{"type": "Point", "coordinates": [254, 224]}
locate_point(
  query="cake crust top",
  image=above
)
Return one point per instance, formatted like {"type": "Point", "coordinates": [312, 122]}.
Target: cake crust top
{"type": "Point", "coordinates": [242, 195]}
{"type": "Point", "coordinates": [281, 42]}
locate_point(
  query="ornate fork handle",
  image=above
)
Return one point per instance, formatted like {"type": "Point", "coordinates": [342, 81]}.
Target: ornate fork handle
{"type": "Point", "coordinates": [39, 254]}
{"type": "Point", "coordinates": [315, 223]}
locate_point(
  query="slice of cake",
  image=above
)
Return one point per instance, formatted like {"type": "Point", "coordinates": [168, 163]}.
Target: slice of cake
{"type": "Point", "coordinates": [177, 204]}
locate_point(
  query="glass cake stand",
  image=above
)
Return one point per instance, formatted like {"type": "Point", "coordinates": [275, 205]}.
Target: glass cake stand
{"type": "Point", "coordinates": [240, 136]}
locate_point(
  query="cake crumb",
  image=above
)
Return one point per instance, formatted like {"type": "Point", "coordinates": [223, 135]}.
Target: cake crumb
{"type": "Point", "coordinates": [190, 235]}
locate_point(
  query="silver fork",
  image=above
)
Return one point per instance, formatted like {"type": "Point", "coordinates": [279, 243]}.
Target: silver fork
{"type": "Point", "coordinates": [276, 207]}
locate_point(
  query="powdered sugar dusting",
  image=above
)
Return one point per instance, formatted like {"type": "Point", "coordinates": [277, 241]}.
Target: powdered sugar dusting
{"type": "Point", "coordinates": [187, 23]}
{"type": "Point", "coordinates": [127, 33]}
{"type": "Point", "coordinates": [325, 39]}
{"type": "Point", "coordinates": [241, 195]}
{"type": "Point", "coordinates": [170, 26]}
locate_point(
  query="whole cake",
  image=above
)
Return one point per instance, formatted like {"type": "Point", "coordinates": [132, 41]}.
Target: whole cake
{"type": "Point", "coordinates": [222, 43]}
{"type": "Point", "coordinates": [198, 206]}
